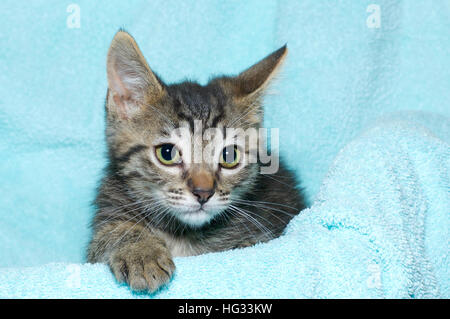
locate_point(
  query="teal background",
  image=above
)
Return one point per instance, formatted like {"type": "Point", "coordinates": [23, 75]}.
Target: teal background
{"type": "Point", "coordinates": [339, 77]}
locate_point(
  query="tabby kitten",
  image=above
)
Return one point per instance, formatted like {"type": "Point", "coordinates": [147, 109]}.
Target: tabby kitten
{"type": "Point", "coordinates": [154, 204]}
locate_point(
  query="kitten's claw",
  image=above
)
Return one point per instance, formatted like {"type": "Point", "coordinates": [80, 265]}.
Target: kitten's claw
{"type": "Point", "coordinates": [143, 268]}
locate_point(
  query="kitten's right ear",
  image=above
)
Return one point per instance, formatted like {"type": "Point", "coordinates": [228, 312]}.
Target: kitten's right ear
{"type": "Point", "coordinates": [131, 81]}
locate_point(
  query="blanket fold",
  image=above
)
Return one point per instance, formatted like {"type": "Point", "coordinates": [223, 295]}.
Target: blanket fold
{"type": "Point", "coordinates": [378, 229]}
{"type": "Point", "coordinates": [362, 105]}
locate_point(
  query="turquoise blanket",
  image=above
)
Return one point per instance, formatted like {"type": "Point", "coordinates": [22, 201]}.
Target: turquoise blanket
{"type": "Point", "coordinates": [363, 107]}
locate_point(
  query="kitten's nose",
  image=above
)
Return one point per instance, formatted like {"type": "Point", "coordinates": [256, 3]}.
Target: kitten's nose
{"type": "Point", "coordinates": [202, 195]}
{"type": "Point", "coordinates": [202, 186]}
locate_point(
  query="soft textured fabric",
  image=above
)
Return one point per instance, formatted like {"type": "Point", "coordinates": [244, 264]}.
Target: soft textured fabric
{"type": "Point", "coordinates": [378, 227]}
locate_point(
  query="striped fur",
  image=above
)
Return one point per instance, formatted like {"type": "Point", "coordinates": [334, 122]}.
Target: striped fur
{"type": "Point", "coordinates": [143, 214]}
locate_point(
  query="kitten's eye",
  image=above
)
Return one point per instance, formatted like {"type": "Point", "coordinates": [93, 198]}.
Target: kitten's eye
{"type": "Point", "coordinates": [168, 154]}
{"type": "Point", "coordinates": [230, 157]}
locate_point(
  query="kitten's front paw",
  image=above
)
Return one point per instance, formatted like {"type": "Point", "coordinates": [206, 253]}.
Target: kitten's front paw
{"type": "Point", "coordinates": [145, 267]}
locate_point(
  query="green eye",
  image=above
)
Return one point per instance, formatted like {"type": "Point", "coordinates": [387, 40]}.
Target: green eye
{"type": "Point", "coordinates": [168, 154]}
{"type": "Point", "coordinates": [230, 157]}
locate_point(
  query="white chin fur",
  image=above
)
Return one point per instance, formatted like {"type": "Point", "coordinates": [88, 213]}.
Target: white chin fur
{"type": "Point", "coordinates": [195, 219]}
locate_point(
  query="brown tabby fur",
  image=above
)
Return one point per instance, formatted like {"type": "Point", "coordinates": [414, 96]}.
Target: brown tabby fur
{"type": "Point", "coordinates": [138, 238]}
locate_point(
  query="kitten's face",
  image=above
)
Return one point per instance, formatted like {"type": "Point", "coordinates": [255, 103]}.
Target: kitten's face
{"type": "Point", "coordinates": [166, 171]}
{"type": "Point", "coordinates": [171, 144]}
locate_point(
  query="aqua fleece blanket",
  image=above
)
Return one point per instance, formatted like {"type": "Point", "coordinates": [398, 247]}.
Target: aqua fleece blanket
{"type": "Point", "coordinates": [363, 107]}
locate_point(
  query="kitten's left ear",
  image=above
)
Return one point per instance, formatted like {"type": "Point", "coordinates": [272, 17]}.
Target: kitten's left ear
{"type": "Point", "coordinates": [256, 78]}
{"type": "Point", "coordinates": [131, 81]}
{"type": "Point", "coordinates": [248, 87]}
{"type": "Point", "coordinates": [253, 81]}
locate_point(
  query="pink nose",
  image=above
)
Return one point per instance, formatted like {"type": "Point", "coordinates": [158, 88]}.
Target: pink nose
{"type": "Point", "coordinates": [201, 185]}
{"type": "Point", "coordinates": [202, 195]}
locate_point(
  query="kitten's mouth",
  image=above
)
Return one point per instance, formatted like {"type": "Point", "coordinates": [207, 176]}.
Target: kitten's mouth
{"type": "Point", "coordinates": [195, 218]}
{"type": "Point", "coordinates": [200, 210]}
{"type": "Point", "coordinates": [196, 215]}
